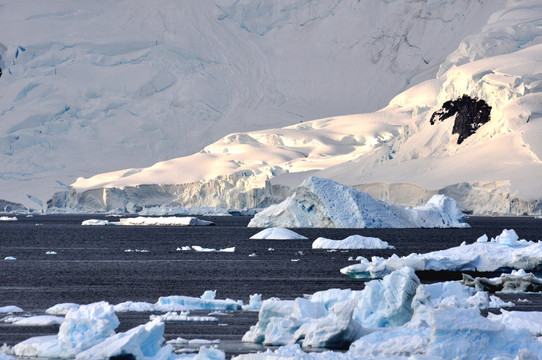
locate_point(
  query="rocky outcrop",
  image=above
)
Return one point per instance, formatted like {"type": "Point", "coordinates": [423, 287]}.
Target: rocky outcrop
{"type": "Point", "coordinates": [471, 113]}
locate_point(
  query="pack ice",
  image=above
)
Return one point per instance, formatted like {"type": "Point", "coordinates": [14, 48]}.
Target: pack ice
{"type": "Point", "coordinates": [506, 251]}
{"type": "Point", "coordinates": [326, 203]}
{"type": "Point", "coordinates": [395, 317]}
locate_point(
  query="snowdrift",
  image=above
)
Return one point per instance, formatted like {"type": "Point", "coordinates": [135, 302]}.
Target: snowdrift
{"type": "Point", "coordinates": [326, 203]}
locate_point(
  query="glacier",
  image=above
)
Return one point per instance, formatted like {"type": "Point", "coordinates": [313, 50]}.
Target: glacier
{"type": "Point", "coordinates": [395, 152]}
{"type": "Point", "coordinates": [326, 203]}
{"type": "Point", "coordinates": [88, 88]}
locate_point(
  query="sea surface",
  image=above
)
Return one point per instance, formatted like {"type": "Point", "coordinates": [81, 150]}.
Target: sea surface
{"type": "Point", "coordinates": [94, 263]}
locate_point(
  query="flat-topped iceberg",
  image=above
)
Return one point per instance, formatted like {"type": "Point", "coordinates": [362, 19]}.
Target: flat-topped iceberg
{"type": "Point", "coordinates": [326, 203]}
{"type": "Point", "coordinates": [152, 221]}
{"type": "Point", "coordinates": [207, 301]}
{"type": "Point", "coordinates": [504, 252]}
{"type": "Point", "coordinates": [351, 242]}
{"type": "Point", "coordinates": [277, 233]}
{"type": "Point", "coordinates": [38, 320]}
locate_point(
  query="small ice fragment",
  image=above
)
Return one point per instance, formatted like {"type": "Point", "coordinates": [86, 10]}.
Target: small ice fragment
{"type": "Point", "coordinates": [7, 218]}
{"type": "Point", "coordinates": [10, 258]}
{"type": "Point", "coordinates": [270, 249]}
{"type": "Point", "coordinates": [10, 309]}
{"type": "Point", "coordinates": [50, 253]}
{"type": "Point", "coordinates": [294, 260]}
{"type": "Point", "coordinates": [252, 255]}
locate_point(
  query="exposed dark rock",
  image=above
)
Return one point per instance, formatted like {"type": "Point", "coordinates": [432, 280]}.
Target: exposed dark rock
{"type": "Point", "coordinates": [471, 113]}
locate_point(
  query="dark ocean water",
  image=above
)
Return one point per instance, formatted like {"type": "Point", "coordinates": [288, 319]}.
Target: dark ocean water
{"type": "Point", "coordinates": [92, 265]}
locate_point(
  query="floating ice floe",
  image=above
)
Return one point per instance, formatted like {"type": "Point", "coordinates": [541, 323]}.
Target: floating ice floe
{"type": "Point", "coordinates": [95, 222]}
{"type": "Point", "coordinates": [152, 221]}
{"type": "Point", "coordinates": [174, 303]}
{"type": "Point", "coordinates": [39, 320]}
{"type": "Point", "coordinates": [136, 250]}
{"type": "Point", "coordinates": [10, 309]}
{"type": "Point", "coordinates": [504, 252]}
{"type": "Point", "coordinates": [183, 316]}
{"type": "Point", "coordinates": [207, 301]}
{"type": "Point", "coordinates": [393, 317]}
{"type": "Point", "coordinates": [164, 221]}
{"type": "Point", "coordinates": [351, 242]}
{"type": "Point", "coordinates": [277, 233]}
{"type": "Point", "coordinates": [8, 218]}
{"type": "Point", "coordinates": [62, 309]}
{"type": "Point", "coordinates": [326, 203]}
{"type": "Point", "coordinates": [202, 249]}
{"type": "Point", "coordinates": [193, 342]}
{"type": "Point", "coordinates": [517, 281]}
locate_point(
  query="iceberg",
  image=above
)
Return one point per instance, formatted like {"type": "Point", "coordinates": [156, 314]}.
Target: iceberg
{"type": "Point", "coordinates": [506, 251]}
{"type": "Point", "coordinates": [88, 332]}
{"type": "Point", "coordinates": [62, 309]}
{"type": "Point", "coordinates": [277, 233]}
{"type": "Point", "coordinates": [351, 242]}
{"type": "Point", "coordinates": [10, 309]}
{"type": "Point", "coordinates": [39, 320]}
{"type": "Point", "coordinates": [183, 316]}
{"type": "Point", "coordinates": [207, 301]}
{"type": "Point", "coordinates": [335, 318]}
{"type": "Point", "coordinates": [143, 342]}
{"type": "Point", "coordinates": [164, 221]}
{"type": "Point", "coordinates": [517, 281]}
{"type": "Point", "coordinates": [152, 221]}
{"type": "Point", "coordinates": [326, 203]}
{"type": "Point", "coordinates": [82, 329]}
{"type": "Point", "coordinates": [95, 222]}
{"type": "Point", "coordinates": [396, 317]}
{"type": "Point", "coordinates": [202, 249]}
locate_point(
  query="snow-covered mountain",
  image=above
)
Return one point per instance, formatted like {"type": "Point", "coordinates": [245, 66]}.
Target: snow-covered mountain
{"type": "Point", "coordinates": [89, 87]}
{"type": "Point", "coordinates": [472, 132]}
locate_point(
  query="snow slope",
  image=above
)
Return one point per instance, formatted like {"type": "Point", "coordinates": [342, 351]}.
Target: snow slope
{"type": "Point", "coordinates": [89, 87]}
{"type": "Point", "coordinates": [492, 171]}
